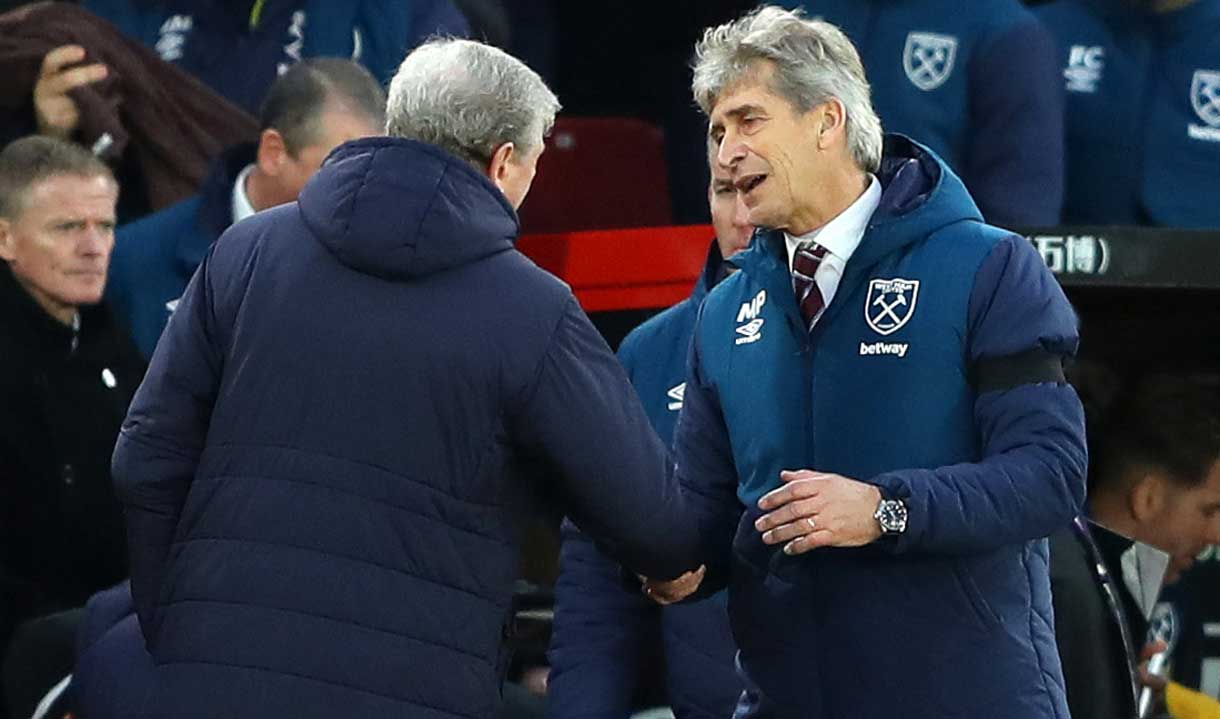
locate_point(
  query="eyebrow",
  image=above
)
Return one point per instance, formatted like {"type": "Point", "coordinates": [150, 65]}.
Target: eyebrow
{"type": "Point", "coordinates": [79, 220]}
{"type": "Point", "coordinates": [743, 110]}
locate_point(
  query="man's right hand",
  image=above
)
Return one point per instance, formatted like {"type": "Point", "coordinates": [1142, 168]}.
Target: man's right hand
{"type": "Point", "coordinates": [675, 590]}
{"type": "Point", "coordinates": [55, 111]}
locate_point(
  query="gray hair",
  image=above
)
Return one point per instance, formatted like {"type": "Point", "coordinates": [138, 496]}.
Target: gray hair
{"type": "Point", "coordinates": [814, 62]}
{"type": "Point", "coordinates": [35, 158]}
{"type": "Point", "coordinates": [469, 98]}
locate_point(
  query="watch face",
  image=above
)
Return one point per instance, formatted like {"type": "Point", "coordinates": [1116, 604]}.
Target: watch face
{"type": "Point", "coordinates": [892, 515]}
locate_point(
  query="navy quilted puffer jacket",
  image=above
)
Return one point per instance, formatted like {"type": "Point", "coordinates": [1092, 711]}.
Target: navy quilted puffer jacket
{"type": "Point", "coordinates": [316, 470]}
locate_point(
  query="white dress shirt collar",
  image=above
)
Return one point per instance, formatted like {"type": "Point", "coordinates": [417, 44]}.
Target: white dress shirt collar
{"type": "Point", "coordinates": [842, 234]}
{"type": "Point", "coordinates": [241, 201]}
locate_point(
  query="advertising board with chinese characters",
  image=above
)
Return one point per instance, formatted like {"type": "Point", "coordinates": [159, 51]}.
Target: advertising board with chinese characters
{"type": "Point", "coordinates": [1130, 256]}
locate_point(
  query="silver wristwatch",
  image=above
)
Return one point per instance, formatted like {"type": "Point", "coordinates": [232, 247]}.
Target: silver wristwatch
{"type": "Point", "coordinates": [891, 514]}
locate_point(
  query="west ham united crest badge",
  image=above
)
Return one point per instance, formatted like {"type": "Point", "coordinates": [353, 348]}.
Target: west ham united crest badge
{"type": "Point", "coordinates": [1205, 96]}
{"type": "Point", "coordinates": [928, 59]}
{"type": "Point", "coordinates": [890, 304]}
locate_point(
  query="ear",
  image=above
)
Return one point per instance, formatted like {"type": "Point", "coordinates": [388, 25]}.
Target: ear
{"type": "Point", "coordinates": [272, 152]}
{"type": "Point", "coordinates": [832, 123]}
{"type": "Point", "coordinates": [497, 168]}
{"type": "Point", "coordinates": [1147, 497]}
{"type": "Point", "coordinates": [8, 252]}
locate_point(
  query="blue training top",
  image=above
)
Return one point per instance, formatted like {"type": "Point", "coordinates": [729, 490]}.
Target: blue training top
{"type": "Point", "coordinates": [1143, 120]}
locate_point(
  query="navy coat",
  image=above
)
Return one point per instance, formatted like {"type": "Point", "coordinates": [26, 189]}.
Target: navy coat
{"type": "Point", "coordinates": [602, 624]}
{"type": "Point", "coordinates": [317, 469]}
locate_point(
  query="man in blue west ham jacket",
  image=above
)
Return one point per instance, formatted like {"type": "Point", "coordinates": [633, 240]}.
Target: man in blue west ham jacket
{"type": "Point", "coordinates": [880, 387]}
{"type": "Point", "coordinates": [977, 82]}
{"type": "Point", "coordinates": [317, 469]}
{"type": "Point", "coordinates": [603, 626]}
{"type": "Point", "coordinates": [1143, 109]}
{"type": "Point", "coordinates": [310, 110]}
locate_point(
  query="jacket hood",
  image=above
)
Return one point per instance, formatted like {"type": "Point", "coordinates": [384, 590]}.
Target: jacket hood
{"type": "Point", "coordinates": [399, 209]}
{"type": "Point", "coordinates": [919, 195]}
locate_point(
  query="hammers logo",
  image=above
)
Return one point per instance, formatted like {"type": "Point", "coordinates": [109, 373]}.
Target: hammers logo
{"type": "Point", "coordinates": [1205, 96]}
{"type": "Point", "coordinates": [928, 59]}
{"type": "Point", "coordinates": [890, 304]}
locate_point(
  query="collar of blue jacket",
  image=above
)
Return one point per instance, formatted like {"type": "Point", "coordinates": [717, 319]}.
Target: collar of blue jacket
{"type": "Point", "coordinates": [215, 205]}
{"type": "Point", "coordinates": [400, 209]}
{"type": "Point", "coordinates": [920, 195]}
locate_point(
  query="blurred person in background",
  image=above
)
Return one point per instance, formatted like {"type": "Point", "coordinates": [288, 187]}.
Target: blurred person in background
{"type": "Point", "coordinates": [1143, 110]}
{"type": "Point", "coordinates": [67, 374]}
{"type": "Point", "coordinates": [318, 468]}
{"type": "Point", "coordinates": [1196, 600]}
{"type": "Point", "coordinates": [74, 76]}
{"type": "Point", "coordinates": [1155, 479]}
{"type": "Point", "coordinates": [239, 47]}
{"type": "Point", "coordinates": [976, 82]}
{"type": "Point", "coordinates": [316, 106]}
{"type": "Point", "coordinates": [604, 627]}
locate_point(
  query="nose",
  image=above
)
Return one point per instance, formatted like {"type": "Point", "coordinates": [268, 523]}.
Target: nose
{"type": "Point", "coordinates": [741, 214]}
{"type": "Point", "coordinates": [730, 150]}
{"type": "Point", "coordinates": [96, 240]}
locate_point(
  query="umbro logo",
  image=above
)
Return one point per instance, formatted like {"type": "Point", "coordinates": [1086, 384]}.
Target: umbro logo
{"type": "Point", "coordinates": [750, 331]}
{"type": "Point", "coordinates": [676, 395]}
{"type": "Point", "coordinates": [172, 305]}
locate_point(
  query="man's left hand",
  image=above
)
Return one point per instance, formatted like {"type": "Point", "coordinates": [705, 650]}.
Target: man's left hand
{"type": "Point", "coordinates": [819, 509]}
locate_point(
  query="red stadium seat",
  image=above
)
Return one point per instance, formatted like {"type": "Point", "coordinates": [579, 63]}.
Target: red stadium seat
{"type": "Point", "coordinates": [599, 173]}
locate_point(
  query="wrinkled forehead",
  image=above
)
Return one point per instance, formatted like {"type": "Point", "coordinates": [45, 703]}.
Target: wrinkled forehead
{"type": "Point", "coordinates": [753, 84]}
{"type": "Point", "coordinates": [68, 194]}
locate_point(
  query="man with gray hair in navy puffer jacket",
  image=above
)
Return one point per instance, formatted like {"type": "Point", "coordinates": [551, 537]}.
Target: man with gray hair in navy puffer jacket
{"type": "Point", "coordinates": [316, 471]}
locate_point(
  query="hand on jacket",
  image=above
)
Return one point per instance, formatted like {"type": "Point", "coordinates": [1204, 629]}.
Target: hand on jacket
{"type": "Point", "coordinates": [54, 109]}
{"type": "Point", "coordinates": [819, 509]}
{"type": "Point", "coordinates": [675, 590]}
{"type": "Point", "coordinates": [1155, 682]}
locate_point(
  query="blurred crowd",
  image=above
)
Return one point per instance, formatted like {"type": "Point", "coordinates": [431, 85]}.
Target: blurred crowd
{"type": "Point", "coordinates": [138, 131]}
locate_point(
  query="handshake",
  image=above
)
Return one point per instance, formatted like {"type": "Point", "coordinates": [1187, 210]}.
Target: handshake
{"type": "Point", "coordinates": [811, 510]}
